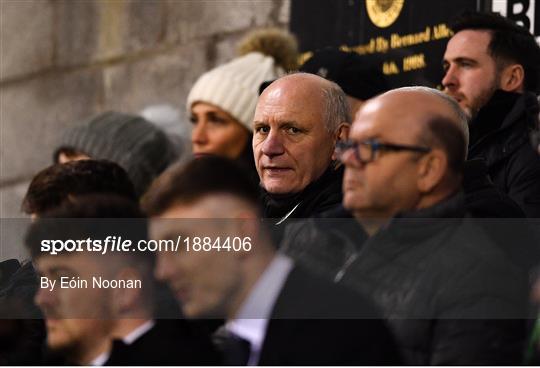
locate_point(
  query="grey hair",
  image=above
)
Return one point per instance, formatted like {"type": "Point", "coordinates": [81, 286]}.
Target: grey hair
{"type": "Point", "coordinates": [461, 115]}
{"type": "Point", "coordinates": [337, 109]}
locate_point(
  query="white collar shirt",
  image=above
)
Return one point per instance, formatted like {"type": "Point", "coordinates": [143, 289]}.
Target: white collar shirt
{"type": "Point", "coordinates": [251, 321]}
{"type": "Point", "coordinates": [129, 339]}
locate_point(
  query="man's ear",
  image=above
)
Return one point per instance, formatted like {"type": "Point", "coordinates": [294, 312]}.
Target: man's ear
{"type": "Point", "coordinates": [431, 170]}
{"type": "Point", "coordinates": [342, 133]}
{"type": "Point", "coordinates": [512, 78]}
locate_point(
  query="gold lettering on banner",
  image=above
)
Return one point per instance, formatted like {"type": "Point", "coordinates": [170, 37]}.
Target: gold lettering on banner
{"type": "Point", "coordinates": [383, 13]}
{"type": "Point", "coordinates": [390, 67]}
{"type": "Point", "coordinates": [414, 62]}
{"type": "Point", "coordinates": [441, 31]}
{"type": "Point", "coordinates": [381, 44]}
{"type": "Point", "coordinates": [303, 57]}
{"type": "Point", "coordinates": [397, 41]}
{"type": "Point", "coordinates": [368, 48]}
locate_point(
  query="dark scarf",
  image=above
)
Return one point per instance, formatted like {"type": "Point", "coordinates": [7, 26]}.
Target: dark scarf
{"type": "Point", "coordinates": [325, 190]}
{"type": "Point", "coordinates": [491, 116]}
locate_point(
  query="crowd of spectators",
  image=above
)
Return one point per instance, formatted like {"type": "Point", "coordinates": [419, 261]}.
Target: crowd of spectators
{"type": "Point", "coordinates": [321, 218]}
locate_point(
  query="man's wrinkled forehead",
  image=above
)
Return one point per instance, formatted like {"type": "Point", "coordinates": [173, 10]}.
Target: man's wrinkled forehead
{"type": "Point", "coordinates": [293, 109]}
{"type": "Point", "coordinates": [296, 89]}
{"type": "Point", "coordinates": [274, 92]}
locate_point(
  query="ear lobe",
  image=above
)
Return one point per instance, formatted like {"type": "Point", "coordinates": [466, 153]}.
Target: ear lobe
{"type": "Point", "coordinates": [342, 133]}
{"type": "Point", "coordinates": [431, 170]}
{"type": "Point", "coordinates": [512, 78]}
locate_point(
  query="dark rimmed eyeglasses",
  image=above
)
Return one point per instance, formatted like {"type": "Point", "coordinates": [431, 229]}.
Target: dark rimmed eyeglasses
{"type": "Point", "coordinates": [368, 150]}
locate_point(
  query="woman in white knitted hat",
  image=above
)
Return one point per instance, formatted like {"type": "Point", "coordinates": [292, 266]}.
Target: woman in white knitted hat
{"type": "Point", "coordinates": [222, 101]}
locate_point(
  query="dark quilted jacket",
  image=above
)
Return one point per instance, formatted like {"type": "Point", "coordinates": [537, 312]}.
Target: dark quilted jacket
{"type": "Point", "coordinates": [451, 296]}
{"type": "Point", "coordinates": [500, 136]}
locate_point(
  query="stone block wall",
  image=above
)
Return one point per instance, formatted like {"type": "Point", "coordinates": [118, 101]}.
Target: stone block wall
{"type": "Point", "coordinates": [63, 60]}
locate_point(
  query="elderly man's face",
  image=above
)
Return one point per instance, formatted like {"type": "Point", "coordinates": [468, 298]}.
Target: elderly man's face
{"type": "Point", "coordinates": [388, 184]}
{"type": "Point", "coordinates": [291, 143]}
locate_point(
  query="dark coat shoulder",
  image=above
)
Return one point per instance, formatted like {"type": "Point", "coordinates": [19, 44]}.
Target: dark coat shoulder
{"type": "Point", "coordinates": [316, 322]}
{"type": "Point", "coordinates": [169, 342]}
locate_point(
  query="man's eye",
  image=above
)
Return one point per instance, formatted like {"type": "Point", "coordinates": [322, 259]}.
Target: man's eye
{"type": "Point", "coordinates": [262, 129]}
{"type": "Point", "coordinates": [193, 120]}
{"type": "Point", "coordinates": [466, 64]}
{"type": "Point", "coordinates": [293, 130]}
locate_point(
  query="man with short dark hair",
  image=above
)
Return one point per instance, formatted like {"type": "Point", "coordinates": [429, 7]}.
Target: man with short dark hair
{"type": "Point", "coordinates": [492, 68]}
{"type": "Point", "coordinates": [99, 306]}
{"type": "Point", "coordinates": [49, 189]}
{"type": "Point", "coordinates": [60, 182]}
{"type": "Point", "coordinates": [277, 314]}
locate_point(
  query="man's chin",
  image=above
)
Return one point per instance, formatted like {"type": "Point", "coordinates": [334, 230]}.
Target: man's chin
{"type": "Point", "coordinates": [278, 187]}
{"type": "Point", "coordinates": [279, 190]}
{"type": "Point", "coordinates": [58, 342]}
{"type": "Point", "coordinates": [470, 112]}
{"type": "Point", "coordinates": [58, 337]}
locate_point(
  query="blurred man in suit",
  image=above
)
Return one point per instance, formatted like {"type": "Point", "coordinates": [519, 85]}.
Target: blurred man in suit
{"type": "Point", "coordinates": [276, 313]}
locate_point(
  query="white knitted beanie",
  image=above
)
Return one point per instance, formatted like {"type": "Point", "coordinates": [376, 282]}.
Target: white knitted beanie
{"type": "Point", "coordinates": [234, 87]}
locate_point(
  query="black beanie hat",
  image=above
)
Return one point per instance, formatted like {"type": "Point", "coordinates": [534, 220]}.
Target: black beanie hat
{"type": "Point", "coordinates": [359, 76]}
{"type": "Point", "coordinates": [138, 146]}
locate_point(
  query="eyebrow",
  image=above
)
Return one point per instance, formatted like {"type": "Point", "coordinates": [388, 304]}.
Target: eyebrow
{"type": "Point", "coordinates": [280, 124]}
{"type": "Point", "coordinates": [376, 136]}
{"type": "Point", "coordinates": [460, 59]}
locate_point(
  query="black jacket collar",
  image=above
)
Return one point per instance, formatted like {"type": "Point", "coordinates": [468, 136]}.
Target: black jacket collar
{"type": "Point", "coordinates": [418, 225]}
{"type": "Point", "coordinates": [317, 197]}
{"type": "Point", "coordinates": [501, 126]}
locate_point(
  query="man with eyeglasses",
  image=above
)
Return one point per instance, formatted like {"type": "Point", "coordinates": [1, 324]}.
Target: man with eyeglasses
{"type": "Point", "coordinates": [451, 295]}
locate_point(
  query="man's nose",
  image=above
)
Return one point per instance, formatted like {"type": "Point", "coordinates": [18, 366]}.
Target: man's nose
{"type": "Point", "coordinates": [348, 158]}
{"type": "Point", "coordinates": [273, 144]}
{"type": "Point", "coordinates": [450, 80]}
{"type": "Point", "coordinates": [44, 297]}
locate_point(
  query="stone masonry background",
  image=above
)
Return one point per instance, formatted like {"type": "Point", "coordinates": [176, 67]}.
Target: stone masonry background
{"type": "Point", "coordinates": [65, 60]}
